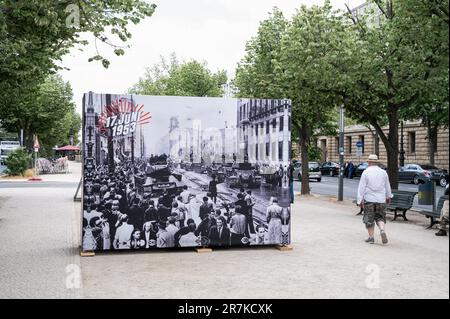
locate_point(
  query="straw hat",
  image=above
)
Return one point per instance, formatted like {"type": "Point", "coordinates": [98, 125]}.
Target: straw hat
{"type": "Point", "coordinates": [373, 158]}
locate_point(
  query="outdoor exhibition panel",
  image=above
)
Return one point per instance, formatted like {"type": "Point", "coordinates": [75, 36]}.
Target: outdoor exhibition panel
{"type": "Point", "coordinates": [163, 172]}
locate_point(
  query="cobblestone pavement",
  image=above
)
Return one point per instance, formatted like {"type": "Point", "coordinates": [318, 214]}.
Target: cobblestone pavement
{"type": "Point", "coordinates": [39, 231]}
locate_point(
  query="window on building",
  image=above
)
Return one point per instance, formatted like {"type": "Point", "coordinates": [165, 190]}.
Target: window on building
{"type": "Point", "coordinates": [256, 129]}
{"type": "Point", "coordinates": [289, 123]}
{"type": "Point", "coordinates": [349, 144]}
{"type": "Point", "coordinates": [361, 139]}
{"type": "Point", "coordinates": [412, 142]}
{"type": "Point", "coordinates": [274, 124]}
{"type": "Point", "coordinates": [256, 152]}
{"type": "Point", "coordinates": [280, 151]}
{"type": "Point", "coordinates": [267, 149]}
{"type": "Point", "coordinates": [281, 123]}
{"type": "Point", "coordinates": [267, 127]}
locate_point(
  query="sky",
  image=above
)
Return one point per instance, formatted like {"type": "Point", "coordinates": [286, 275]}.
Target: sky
{"type": "Point", "coordinates": [212, 113]}
{"type": "Point", "coordinates": [214, 31]}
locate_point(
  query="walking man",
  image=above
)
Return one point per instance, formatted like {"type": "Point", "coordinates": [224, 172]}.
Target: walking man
{"type": "Point", "coordinates": [213, 188]}
{"type": "Point", "coordinates": [374, 192]}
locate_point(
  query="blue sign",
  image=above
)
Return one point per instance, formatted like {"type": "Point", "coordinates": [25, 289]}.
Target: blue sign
{"type": "Point", "coordinates": [359, 144]}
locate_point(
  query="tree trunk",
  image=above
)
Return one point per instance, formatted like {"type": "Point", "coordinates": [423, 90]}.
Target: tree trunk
{"type": "Point", "coordinates": [377, 144]}
{"type": "Point", "coordinates": [392, 148]}
{"type": "Point", "coordinates": [304, 138]}
{"type": "Point", "coordinates": [432, 142]}
{"type": "Point", "coordinates": [28, 137]}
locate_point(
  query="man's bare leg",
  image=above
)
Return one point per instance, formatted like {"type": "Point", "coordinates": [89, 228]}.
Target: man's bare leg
{"type": "Point", "coordinates": [381, 225]}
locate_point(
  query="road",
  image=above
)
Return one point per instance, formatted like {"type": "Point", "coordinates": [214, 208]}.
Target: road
{"type": "Point", "coordinates": [329, 187]}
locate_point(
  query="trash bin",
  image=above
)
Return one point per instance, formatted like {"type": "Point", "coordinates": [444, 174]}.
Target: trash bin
{"type": "Point", "coordinates": [426, 193]}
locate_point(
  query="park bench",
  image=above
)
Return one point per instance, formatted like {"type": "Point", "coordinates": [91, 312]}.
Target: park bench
{"type": "Point", "coordinates": [402, 201]}
{"type": "Point", "coordinates": [435, 215]}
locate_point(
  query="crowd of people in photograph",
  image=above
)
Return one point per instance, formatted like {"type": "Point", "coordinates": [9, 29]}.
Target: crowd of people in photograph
{"type": "Point", "coordinates": [119, 215]}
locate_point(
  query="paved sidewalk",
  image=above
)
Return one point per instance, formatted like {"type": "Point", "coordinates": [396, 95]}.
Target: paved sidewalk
{"type": "Point", "coordinates": [39, 235]}
{"type": "Point", "coordinates": [40, 229]}
{"type": "Point", "coordinates": [330, 260]}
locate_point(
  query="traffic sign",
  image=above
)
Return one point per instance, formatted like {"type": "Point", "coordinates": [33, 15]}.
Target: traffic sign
{"type": "Point", "coordinates": [37, 146]}
{"type": "Point", "coordinates": [359, 144]}
{"type": "Point", "coordinates": [359, 152]}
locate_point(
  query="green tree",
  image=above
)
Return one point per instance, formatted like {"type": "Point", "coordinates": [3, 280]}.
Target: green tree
{"type": "Point", "coordinates": [292, 60]}
{"type": "Point", "coordinates": [190, 78]}
{"type": "Point", "coordinates": [62, 133]}
{"type": "Point", "coordinates": [394, 64]}
{"type": "Point", "coordinates": [36, 34]}
{"type": "Point", "coordinates": [256, 74]}
{"type": "Point", "coordinates": [48, 111]}
{"type": "Point", "coordinates": [316, 36]}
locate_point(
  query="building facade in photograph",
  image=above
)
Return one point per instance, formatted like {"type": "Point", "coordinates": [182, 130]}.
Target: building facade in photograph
{"type": "Point", "coordinates": [415, 145]}
{"type": "Point", "coordinates": [264, 130]}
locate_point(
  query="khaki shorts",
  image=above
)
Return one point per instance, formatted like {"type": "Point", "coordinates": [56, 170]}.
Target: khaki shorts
{"type": "Point", "coordinates": [373, 213]}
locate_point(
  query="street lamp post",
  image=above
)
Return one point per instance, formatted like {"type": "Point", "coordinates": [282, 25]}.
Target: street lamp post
{"type": "Point", "coordinates": [341, 156]}
{"type": "Point", "coordinates": [402, 149]}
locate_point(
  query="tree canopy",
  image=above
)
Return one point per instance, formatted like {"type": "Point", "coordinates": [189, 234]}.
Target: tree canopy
{"type": "Point", "coordinates": [399, 65]}
{"type": "Point", "coordinates": [48, 111]}
{"type": "Point", "coordinates": [36, 34]}
{"type": "Point", "coordinates": [385, 65]}
{"type": "Point", "coordinates": [190, 78]}
{"type": "Point", "coordinates": [292, 60]}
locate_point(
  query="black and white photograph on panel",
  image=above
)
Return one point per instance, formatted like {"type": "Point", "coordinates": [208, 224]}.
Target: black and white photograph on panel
{"type": "Point", "coordinates": [163, 172]}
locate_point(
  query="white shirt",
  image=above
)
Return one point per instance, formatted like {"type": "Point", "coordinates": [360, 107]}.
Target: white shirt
{"type": "Point", "coordinates": [123, 233]}
{"type": "Point", "coordinates": [189, 240]}
{"type": "Point", "coordinates": [374, 186]}
{"type": "Point", "coordinates": [172, 229]}
{"type": "Point", "coordinates": [185, 196]}
{"type": "Point", "coordinates": [248, 199]}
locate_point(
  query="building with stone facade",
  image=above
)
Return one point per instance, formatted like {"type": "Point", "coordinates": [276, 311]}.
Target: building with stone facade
{"type": "Point", "coordinates": [415, 145]}
{"type": "Point", "coordinates": [264, 129]}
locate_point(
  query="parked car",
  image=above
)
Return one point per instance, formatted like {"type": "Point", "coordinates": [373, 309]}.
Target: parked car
{"type": "Point", "coordinates": [437, 174]}
{"type": "Point", "coordinates": [361, 168]}
{"type": "Point", "coordinates": [413, 173]}
{"type": "Point", "coordinates": [314, 171]}
{"type": "Point", "coordinates": [329, 168]}
{"type": "Point", "coordinates": [443, 179]}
